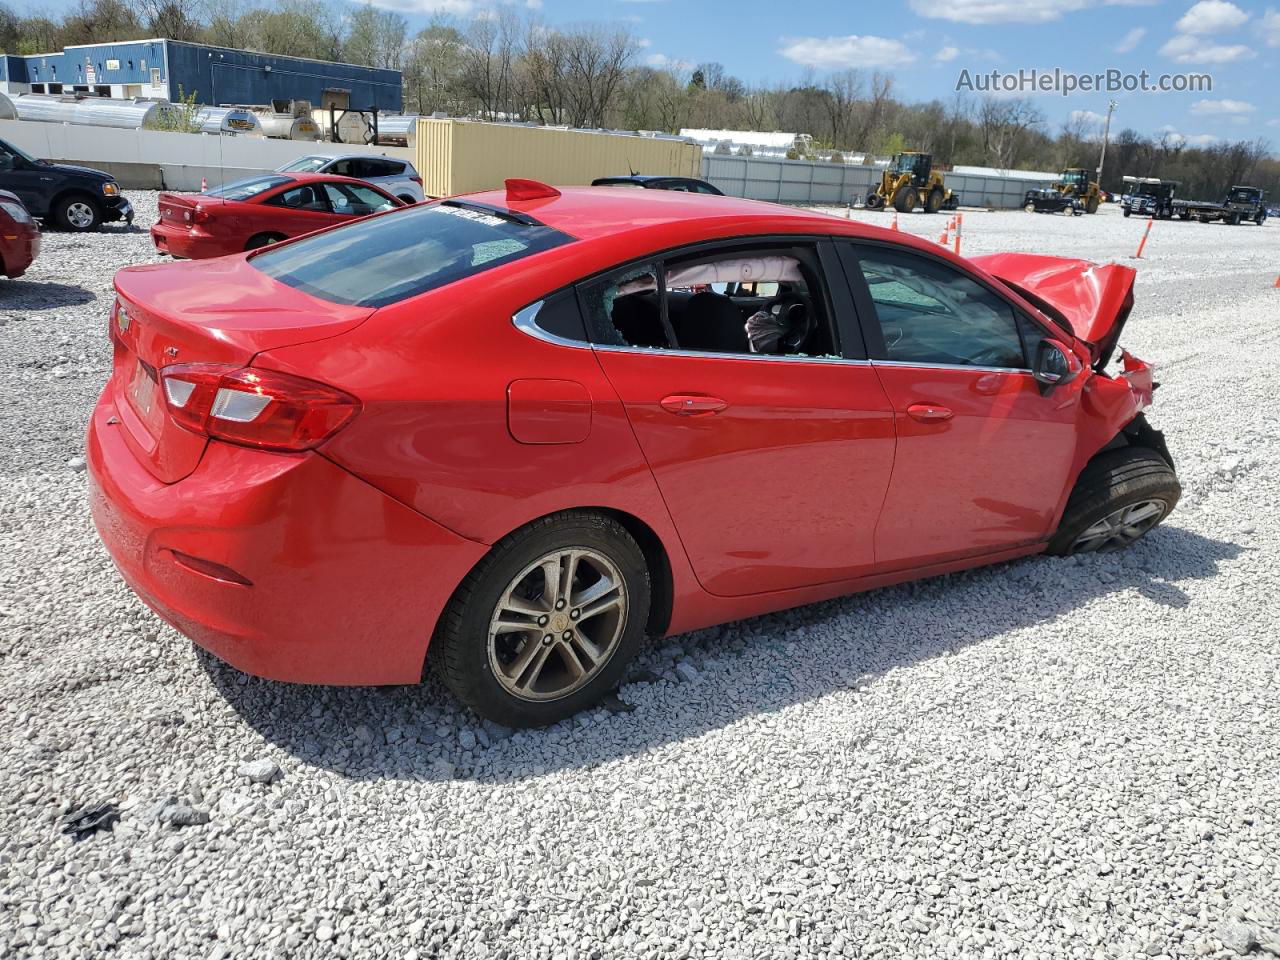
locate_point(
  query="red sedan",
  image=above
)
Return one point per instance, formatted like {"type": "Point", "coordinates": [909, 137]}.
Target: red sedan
{"type": "Point", "coordinates": [531, 427]}
{"type": "Point", "coordinates": [19, 236]}
{"type": "Point", "coordinates": [260, 211]}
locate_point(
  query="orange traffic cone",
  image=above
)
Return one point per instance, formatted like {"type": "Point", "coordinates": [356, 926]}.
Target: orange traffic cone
{"type": "Point", "coordinates": [204, 184]}
{"type": "Point", "coordinates": [1143, 242]}
{"type": "Point", "coordinates": [959, 227]}
{"type": "Point", "coordinates": [945, 239]}
{"type": "Point", "coordinates": [895, 225]}
{"type": "Point", "coordinates": [1278, 283]}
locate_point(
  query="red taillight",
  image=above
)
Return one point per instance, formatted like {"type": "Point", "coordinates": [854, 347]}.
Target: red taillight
{"type": "Point", "coordinates": [202, 215]}
{"type": "Point", "coordinates": [256, 408]}
{"type": "Point", "coordinates": [417, 180]}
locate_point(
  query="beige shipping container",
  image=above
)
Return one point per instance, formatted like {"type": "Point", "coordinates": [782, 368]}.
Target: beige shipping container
{"type": "Point", "coordinates": [462, 156]}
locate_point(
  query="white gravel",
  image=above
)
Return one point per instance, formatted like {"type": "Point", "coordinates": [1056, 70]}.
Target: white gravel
{"type": "Point", "coordinates": [1043, 759]}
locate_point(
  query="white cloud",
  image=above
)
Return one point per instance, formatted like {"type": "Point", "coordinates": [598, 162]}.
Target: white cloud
{"type": "Point", "coordinates": [455, 7]}
{"type": "Point", "coordinates": [1217, 107]}
{"type": "Point", "coordinates": [1186, 48]}
{"type": "Point", "coordinates": [835, 53]}
{"type": "Point", "coordinates": [1087, 116]}
{"type": "Point", "coordinates": [644, 42]}
{"type": "Point", "coordinates": [660, 61]}
{"type": "Point", "coordinates": [1130, 40]}
{"type": "Point", "coordinates": [1200, 139]}
{"type": "Point", "coordinates": [1271, 27]}
{"type": "Point", "coordinates": [947, 54]}
{"type": "Point", "coordinates": [1010, 11]}
{"type": "Point", "coordinates": [1211, 16]}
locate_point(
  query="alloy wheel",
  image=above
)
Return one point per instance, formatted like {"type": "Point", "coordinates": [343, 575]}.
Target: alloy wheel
{"type": "Point", "coordinates": [80, 215]}
{"type": "Point", "coordinates": [557, 623]}
{"type": "Point", "coordinates": [1120, 527]}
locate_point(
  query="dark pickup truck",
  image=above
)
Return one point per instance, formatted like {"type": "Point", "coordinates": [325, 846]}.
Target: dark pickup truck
{"type": "Point", "coordinates": [1241, 204]}
{"type": "Point", "coordinates": [73, 198]}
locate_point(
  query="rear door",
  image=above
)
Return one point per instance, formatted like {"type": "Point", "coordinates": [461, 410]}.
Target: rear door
{"type": "Point", "coordinates": [773, 453]}
{"type": "Point", "coordinates": [982, 457]}
{"type": "Point", "coordinates": [32, 185]}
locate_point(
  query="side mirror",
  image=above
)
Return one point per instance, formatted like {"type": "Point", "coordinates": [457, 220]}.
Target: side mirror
{"type": "Point", "coordinates": [1055, 365]}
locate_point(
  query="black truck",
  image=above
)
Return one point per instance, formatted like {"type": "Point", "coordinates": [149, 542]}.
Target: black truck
{"type": "Point", "coordinates": [73, 198]}
{"type": "Point", "coordinates": [1149, 196]}
{"type": "Point", "coordinates": [1241, 204]}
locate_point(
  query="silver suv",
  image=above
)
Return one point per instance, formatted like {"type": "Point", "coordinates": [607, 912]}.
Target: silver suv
{"type": "Point", "coordinates": [397, 177]}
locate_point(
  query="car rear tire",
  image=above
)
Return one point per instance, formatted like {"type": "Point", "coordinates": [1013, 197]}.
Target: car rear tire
{"type": "Point", "coordinates": [1120, 496]}
{"type": "Point", "coordinates": [263, 240]}
{"type": "Point", "coordinates": [545, 624]}
{"type": "Point", "coordinates": [77, 212]}
{"type": "Point", "coordinates": [904, 200]}
{"type": "Point", "coordinates": [1126, 211]}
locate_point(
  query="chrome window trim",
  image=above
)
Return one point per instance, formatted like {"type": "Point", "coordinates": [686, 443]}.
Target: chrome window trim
{"type": "Point", "coordinates": [707, 354]}
{"type": "Point", "coordinates": [526, 322]}
{"type": "Point", "coordinates": [951, 366]}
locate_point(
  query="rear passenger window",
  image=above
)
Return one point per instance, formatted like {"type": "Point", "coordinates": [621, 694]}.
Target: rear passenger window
{"type": "Point", "coordinates": [766, 301]}
{"type": "Point", "coordinates": [931, 313]}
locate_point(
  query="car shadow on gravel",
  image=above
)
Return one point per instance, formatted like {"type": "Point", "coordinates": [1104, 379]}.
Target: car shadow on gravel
{"type": "Point", "coordinates": [23, 294]}
{"type": "Point", "coordinates": [421, 733]}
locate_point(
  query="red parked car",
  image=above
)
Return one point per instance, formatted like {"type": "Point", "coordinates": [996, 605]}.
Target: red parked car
{"type": "Point", "coordinates": [19, 236]}
{"type": "Point", "coordinates": [259, 211]}
{"type": "Point", "coordinates": [527, 428]}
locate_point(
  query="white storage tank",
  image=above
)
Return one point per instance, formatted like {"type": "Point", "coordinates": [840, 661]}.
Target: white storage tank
{"type": "Point", "coordinates": [398, 130]}
{"type": "Point", "coordinates": [229, 120]}
{"type": "Point", "coordinates": [284, 126]}
{"type": "Point", "coordinates": [7, 112]}
{"type": "Point", "coordinates": [352, 127]}
{"type": "Point", "coordinates": [99, 111]}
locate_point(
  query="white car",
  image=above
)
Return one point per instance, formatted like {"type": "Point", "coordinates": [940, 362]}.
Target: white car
{"type": "Point", "coordinates": [397, 177]}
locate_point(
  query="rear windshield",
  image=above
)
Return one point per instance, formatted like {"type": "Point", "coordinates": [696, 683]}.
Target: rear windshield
{"type": "Point", "coordinates": [305, 165]}
{"type": "Point", "coordinates": [390, 258]}
{"type": "Point", "coordinates": [245, 189]}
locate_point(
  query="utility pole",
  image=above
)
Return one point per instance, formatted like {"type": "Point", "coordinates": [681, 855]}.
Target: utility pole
{"type": "Point", "coordinates": [1106, 135]}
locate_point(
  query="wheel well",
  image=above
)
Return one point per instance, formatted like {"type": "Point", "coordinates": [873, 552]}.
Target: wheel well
{"type": "Point", "coordinates": [662, 596]}
{"type": "Point", "coordinates": [68, 192]}
{"type": "Point", "coordinates": [270, 236]}
{"type": "Point", "coordinates": [1138, 433]}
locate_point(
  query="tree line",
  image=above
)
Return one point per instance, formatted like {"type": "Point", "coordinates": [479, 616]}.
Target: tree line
{"type": "Point", "coordinates": [506, 65]}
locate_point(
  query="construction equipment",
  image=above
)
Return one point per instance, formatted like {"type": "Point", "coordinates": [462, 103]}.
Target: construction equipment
{"type": "Point", "coordinates": [1074, 192]}
{"type": "Point", "coordinates": [909, 182]}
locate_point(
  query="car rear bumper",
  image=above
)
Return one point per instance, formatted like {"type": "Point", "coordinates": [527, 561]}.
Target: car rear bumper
{"type": "Point", "coordinates": [186, 243]}
{"type": "Point", "coordinates": [285, 566]}
{"type": "Point", "coordinates": [117, 208]}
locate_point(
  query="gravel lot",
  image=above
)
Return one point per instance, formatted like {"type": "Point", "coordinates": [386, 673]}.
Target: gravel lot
{"type": "Point", "coordinates": [1042, 759]}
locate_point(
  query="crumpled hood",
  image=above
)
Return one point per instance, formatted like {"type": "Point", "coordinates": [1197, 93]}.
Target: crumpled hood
{"type": "Point", "coordinates": [1095, 300]}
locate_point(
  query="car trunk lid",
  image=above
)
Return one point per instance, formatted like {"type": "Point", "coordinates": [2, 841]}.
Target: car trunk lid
{"type": "Point", "coordinates": [180, 208]}
{"type": "Point", "coordinates": [211, 311]}
{"type": "Point", "coordinates": [1093, 301]}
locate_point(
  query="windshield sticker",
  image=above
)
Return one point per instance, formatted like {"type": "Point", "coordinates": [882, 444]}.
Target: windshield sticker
{"type": "Point", "coordinates": [488, 219]}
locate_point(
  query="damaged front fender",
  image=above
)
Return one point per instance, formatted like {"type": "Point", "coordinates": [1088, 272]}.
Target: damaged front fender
{"type": "Point", "coordinates": [1113, 411]}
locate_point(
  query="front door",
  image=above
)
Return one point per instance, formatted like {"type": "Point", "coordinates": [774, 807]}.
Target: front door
{"type": "Point", "coordinates": [771, 452]}
{"type": "Point", "coordinates": [982, 458]}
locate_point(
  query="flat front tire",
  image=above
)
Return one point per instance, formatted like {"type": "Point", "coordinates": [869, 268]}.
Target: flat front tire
{"type": "Point", "coordinates": [544, 626]}
{"type": "Point", "coordinates": [1120, 496]}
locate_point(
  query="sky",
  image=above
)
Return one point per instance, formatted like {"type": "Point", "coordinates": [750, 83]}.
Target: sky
{"type": "Point", "coordinates": [926, 44]}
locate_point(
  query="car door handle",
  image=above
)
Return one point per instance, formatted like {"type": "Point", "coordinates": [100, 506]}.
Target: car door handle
{"type": "Point", "coordinates": [929, 412]}
{"type": "Point", "coordinates": [692, 405]}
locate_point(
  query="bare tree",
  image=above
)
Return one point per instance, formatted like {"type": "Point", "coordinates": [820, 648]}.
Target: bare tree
{"type": "Point", "coordinates": [1003, 122]}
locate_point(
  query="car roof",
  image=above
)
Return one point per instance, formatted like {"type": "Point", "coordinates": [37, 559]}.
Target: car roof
{"type": "Point", "coordinates": [350, 156]}
{"type": "Point", "coordinates": [592, 212]}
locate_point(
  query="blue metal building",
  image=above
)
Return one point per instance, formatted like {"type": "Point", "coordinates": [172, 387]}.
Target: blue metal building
{"type": "Point", "coordinates": [169, 69]}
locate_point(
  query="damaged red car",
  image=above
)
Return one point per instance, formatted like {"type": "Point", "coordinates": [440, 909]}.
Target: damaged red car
{"type": "Point", "coordinates": [505, 436]}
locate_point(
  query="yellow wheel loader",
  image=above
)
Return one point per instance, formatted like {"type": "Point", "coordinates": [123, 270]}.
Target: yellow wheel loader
{"type": "Point", "coordinates": [909, 182]}
{"type": "Point", "coordinates": [1074, 192]}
